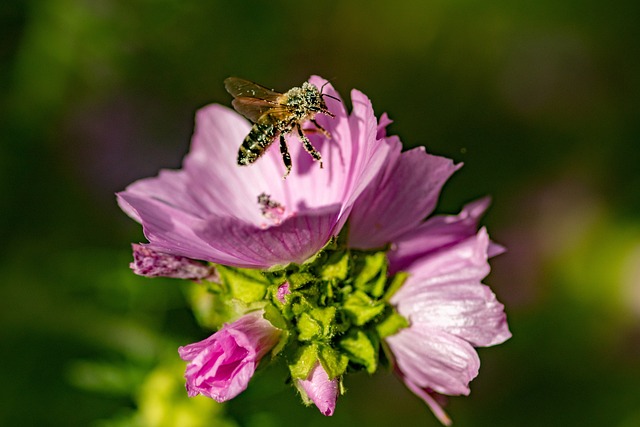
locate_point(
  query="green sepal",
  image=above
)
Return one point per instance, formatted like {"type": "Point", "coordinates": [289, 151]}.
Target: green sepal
{"type": "Point", "coordinates": [209, 309]}
{"type": "Point", "coordinates": [284, 340]}
{"type": "Point", "coordinates": [304, 360]}
{"type": "Point", "coordinates": [391, 324]}
{"type": "Point", "coordinates": [331, 245]}
{"type": "Point", "coordinates": [362, 348]}
{"type": "Point", "coordinates": [334, 362]}
{"type": "Point", "coordinates": [273, 315]}
{"type": "Point", "coordinates": [372, 276]}
{"type": "Point", "coordinates": [244, 284]}
{"type": "Point", "coordinates": [361, 308]}
{"type": "Point", "coordinates": [336, 267]}
{"type": "Point", "coordinates": [316, 324]}
{"type": "Point", "coordinates": [396, 283]}
{"type": "Point", "coordinates": [299, 279]}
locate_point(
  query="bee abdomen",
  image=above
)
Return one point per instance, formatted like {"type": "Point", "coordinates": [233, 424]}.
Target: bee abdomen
{"type": "Point", "coordinates": [255, 144]}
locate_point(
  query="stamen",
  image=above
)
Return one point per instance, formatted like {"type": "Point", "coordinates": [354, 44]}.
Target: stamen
{"type": "Point", "coordinates": [270, 209]}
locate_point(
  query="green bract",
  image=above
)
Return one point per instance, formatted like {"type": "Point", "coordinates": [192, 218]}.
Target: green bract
{"type": "Point", "coordinates": [334, 308]}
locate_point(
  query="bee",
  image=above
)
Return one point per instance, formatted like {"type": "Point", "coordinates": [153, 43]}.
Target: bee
{"type": "Point", "coordinates": [274, 115]}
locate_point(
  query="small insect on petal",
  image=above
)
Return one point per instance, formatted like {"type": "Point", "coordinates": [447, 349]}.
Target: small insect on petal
{"type": "Point", "coordinates": [275, 115]}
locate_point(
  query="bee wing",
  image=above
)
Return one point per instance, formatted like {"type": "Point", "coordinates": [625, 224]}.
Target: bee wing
{"type": "Point", "coordinates": [253, 108]}
{"type": "Point", "coordinates": [241, 88]}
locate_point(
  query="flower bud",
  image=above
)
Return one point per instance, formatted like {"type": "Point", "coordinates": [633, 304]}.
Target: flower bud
{"type": "Point", "coordinates": [221, 366]}
{"type": "Point", "coordinates": [319, 389]}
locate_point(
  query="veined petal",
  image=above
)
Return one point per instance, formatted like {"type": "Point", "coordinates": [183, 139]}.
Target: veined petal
{"type": "Point", "coordinates": [435, 359]}
{"type": "Point", "coordinates": [444, 291]}
{"type": "Point", "coordinates": [171, 230]}
{"type": "Point", "coordinates": [294, 240]}
{"type": "Point", "coordinates": [438, 232]}
{"type": "Point", "coordinates": [400, 197]}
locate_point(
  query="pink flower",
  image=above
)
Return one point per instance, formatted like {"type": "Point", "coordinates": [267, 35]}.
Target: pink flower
{"type": "Point", "coordinates": [221, 366]}
{"type": "Point", "coordinates": [214, 210]}
{"type": "Point", "coordinates": [320, 390]}
{"type": "Point", "coordinates": [449, 311]}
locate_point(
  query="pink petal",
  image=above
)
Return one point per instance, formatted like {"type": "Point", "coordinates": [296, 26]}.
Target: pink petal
{"type": "Point", "coordinates": [434, 359]}
{"type": "Point", "coordinates": [400, 197]}
{"type": "Point", "coordinates": [322, 391]}
{"type": "Point", "coordinates": [429, 400]}
{"type": "Point", "coordinates": [438, 232]}
{"type": "Point", "coordinates": [444, 291]}
{"type": "Point", "coordinates": [221, 365]}
{"type": "Point", "coordinates": [294, 240]}
{"type": "Point", "coordinates": [283, 291]}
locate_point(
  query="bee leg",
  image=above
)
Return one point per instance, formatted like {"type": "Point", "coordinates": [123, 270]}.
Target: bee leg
{"type": "Point", "coordinates": [307, 146]}
{"type": "Point", "coordinates": [286, 158]}
{"type": "Point", "coordinates": [321, 129]}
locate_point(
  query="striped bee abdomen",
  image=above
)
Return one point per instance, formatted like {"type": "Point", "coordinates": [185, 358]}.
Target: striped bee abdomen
{"type": "Point", "coordinates": [256, 143]}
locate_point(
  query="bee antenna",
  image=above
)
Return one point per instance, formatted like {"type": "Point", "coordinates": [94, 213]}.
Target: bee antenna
{"type": "Point", "coordinates": [332, 97]}
{"type": "Point", "coordinates": [326, 94]}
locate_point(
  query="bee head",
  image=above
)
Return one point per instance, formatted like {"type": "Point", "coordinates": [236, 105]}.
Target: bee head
{"type": "Point", "coordinates": [319, 105]}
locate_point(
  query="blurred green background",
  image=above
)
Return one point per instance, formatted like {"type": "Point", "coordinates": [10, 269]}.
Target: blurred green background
{"type": "Point", "coordinates": [539, 99]}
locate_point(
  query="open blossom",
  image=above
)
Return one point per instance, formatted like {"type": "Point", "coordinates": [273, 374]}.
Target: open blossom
{"type": "Point", "coordinates": [320, 390]}
{"type": "Point", "coordinates": [449, 312]}
{"type": "Point", "coordinates": [221, 366]}
{"type": "Point", "coordinates": [248, 220]}
{"type": "Point", "coordinates": [214, 210]}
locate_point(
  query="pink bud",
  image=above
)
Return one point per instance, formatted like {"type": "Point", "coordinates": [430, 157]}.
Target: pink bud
{"type": "Point", "coordinates": [320, 390]}
{"type": "Point", "coordinates": [221, 366]}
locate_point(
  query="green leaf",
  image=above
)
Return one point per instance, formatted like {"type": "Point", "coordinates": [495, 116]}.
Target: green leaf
{"type": "Point", "coordinates": [304, 360]}
{"type": "Point", "coordinates": [362, 349]}
{"type": "Point", "coordinates": [391, 324]}
{"type": "Point", "coordinates": [361, 308]}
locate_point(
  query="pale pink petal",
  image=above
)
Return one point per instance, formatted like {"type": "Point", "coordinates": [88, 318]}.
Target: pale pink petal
{"type": "Point", "coordinates": [322, 391]}
{"type": "Point", "coordinates": [351, 158]}
{"type": "Point", "coordinates": [435, 359]}
{"type": "Point", "coordinates": [444, 291]}
{"type": "Point", "coordinates": [428, 398]}
{"type": "Point", "coordinates": [438, 232]}
{"type": "Point", "coordinates": [383, 122]}
{"type": "Point", "coordinates": [400, 197]}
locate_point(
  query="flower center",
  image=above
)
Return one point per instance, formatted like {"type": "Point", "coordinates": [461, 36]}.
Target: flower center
{"type": "Point", "coordinates": [270, 209]}
{"type": "Point", "coordinates": [335, 307]}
